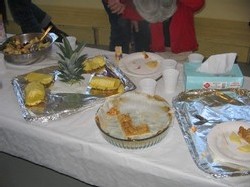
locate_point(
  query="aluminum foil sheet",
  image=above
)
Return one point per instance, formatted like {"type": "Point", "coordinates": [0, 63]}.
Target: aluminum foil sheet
{"type": "Point", "coordinates": [204, 109]}
{"type": "Point", "coordinates": [60, 105]}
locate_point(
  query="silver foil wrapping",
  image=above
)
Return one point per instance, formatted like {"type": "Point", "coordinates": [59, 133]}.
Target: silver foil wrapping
{"type": "Point", "coordinates": [202, 110]}
{"type": "Point", "coordinates": [60, 105]}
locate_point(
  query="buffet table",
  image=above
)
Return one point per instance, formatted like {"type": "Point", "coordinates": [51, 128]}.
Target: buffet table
{"type": "Point", "coordinates": [74, 146]}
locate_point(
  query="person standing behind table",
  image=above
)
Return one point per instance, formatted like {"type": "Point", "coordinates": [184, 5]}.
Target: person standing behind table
{"type": "Point", "coordinates": [151, 19]}
{"type": "Point", "coordinates": [129, 33]}
{"type": "Point", "coordinates": [3, 11]}
{"type": "Point", "coordinates": [141, 28]}
{"type": "Point", "coordinates": [31, 18]}
{"type": "Point", "coordinates": [120, 34]}
{"type": "Point", "coordinates": [3, 21]}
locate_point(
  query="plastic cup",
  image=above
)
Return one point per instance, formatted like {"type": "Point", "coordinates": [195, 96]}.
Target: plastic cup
{"type": "Point", "coordinates": [195, 58]}
{"type": "Point", "coordinates": [147, 86]}
{"type": "Point", "coordinates": [170, 78]}
{"type": "Point", "coordinates": [169, 63]}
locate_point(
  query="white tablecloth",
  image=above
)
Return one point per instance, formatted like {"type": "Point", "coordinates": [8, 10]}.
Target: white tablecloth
{"type": "Point", "coordinates": [74, 145]}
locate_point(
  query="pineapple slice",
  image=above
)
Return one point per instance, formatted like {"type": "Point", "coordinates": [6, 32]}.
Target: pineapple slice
{"type": "Point", "coordinates": [121, 89]}
{"type": "Point", "coordinates": [105, 83]}
{"type": "Point", "coordinates": [93, 64]}
{"type": "Point", "coordinates": [44, 79]}
{"type": "Point", "coordinates": [34, 93]}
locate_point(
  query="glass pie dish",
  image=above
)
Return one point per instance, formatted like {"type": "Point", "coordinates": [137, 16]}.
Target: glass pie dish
{"type": "Point", "coordinates": [134, 120]}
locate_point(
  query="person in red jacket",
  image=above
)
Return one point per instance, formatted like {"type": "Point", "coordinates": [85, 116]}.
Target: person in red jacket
{"type": "Point", "coordinates": [162, 23]}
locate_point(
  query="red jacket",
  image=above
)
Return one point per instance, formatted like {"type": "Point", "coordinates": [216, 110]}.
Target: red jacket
{"type": "Point", "coordinates": [182, 31]}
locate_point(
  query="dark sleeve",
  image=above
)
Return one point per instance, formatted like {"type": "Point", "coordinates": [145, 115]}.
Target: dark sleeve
{"type": "Point", "coordinates": [3, 10]}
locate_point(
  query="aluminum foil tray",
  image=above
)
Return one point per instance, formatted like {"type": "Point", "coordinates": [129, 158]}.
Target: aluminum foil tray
{"type": "Point", "coordinates": [60, 105]}
{"type": "Point", "coordinates": [198, 111]}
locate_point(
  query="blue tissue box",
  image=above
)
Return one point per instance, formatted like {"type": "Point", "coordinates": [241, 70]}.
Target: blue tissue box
{"type": "Point", "coordinates": [197, 80]}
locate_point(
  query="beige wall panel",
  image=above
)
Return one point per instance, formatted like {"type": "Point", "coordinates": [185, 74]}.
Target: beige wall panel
{"type": "Point", "coordinates": [210, 48]}
{"type": "Point", "coordinates": [103, 34]}
{"type": "Point", "coordinates": [13, 28]}
{"type": "Point", "coordinates": [219, 9]}
{"type": "Point", "coordinates": [83, 34]}
{"type": "Point", "coordinates": [77, 16]}
{"type": "Point", "coordinates": [218, 36]}
{"type": "Point", "coordinates": [72, 3]}
{"type": "Point", "coordinates": [237, 10]}
{"type": "Point", "coordinates": [232, 9]}
{"type": "Point", "coordinates": [223, 31]}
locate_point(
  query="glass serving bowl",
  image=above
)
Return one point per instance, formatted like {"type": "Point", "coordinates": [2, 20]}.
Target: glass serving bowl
{"type": "Point", "coordinates": [143, 111]}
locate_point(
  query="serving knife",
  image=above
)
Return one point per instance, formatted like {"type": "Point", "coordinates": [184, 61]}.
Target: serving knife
{"type": "Point", "coordinates": [71, 101]}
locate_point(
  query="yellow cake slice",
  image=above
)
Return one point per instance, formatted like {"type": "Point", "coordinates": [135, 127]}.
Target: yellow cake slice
{"type": "Point", "coordinates": [34, 93]}
{"type": "Point", "coordinates": [44, 79]}
{"type": "Point", "coordinates": [93, 64]}
{"type": "Point", "coordinates": [105, 83]}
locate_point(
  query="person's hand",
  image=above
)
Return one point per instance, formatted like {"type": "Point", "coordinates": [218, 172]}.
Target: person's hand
{"type": "Point", "coordinates": [116, 6]}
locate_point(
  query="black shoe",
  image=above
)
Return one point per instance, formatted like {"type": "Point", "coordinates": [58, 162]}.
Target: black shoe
{"type": "Point", "coordinates": [57, 31]}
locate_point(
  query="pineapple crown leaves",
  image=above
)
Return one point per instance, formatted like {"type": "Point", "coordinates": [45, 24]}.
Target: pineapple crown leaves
{"type": "Point", "coordinates": [67, 50]}
{"type": "Point", "coordinates": [70, 63]}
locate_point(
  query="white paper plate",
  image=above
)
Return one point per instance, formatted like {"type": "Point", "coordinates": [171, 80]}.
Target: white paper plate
{"type": "Point", "coordinates": [135, 65]}
{"type": "Point", "coordinates": [225, 150]}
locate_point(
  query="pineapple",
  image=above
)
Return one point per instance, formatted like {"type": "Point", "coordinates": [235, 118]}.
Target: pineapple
{"type": "Point", "coordinates": [70, 63]}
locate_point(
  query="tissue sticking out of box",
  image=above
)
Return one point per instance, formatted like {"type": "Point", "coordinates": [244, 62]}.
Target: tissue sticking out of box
{"type": "Point", "coordinates": [218, 64]}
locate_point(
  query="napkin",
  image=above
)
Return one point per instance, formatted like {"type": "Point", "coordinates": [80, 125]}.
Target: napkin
{"type": "Point", "coordinates": [218, 64]}
{"type": "Point", "coordinates": [62, 87]}
{"type": "Point", "coordinates": [2, 64]}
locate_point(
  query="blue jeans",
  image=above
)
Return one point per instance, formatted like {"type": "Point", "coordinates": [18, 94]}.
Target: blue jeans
{"type": "Point", "coordinates": [30, 17]}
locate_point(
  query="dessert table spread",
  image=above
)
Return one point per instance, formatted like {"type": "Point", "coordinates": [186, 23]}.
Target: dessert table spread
{"type": "Point", "coordinates": [74, 145]}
